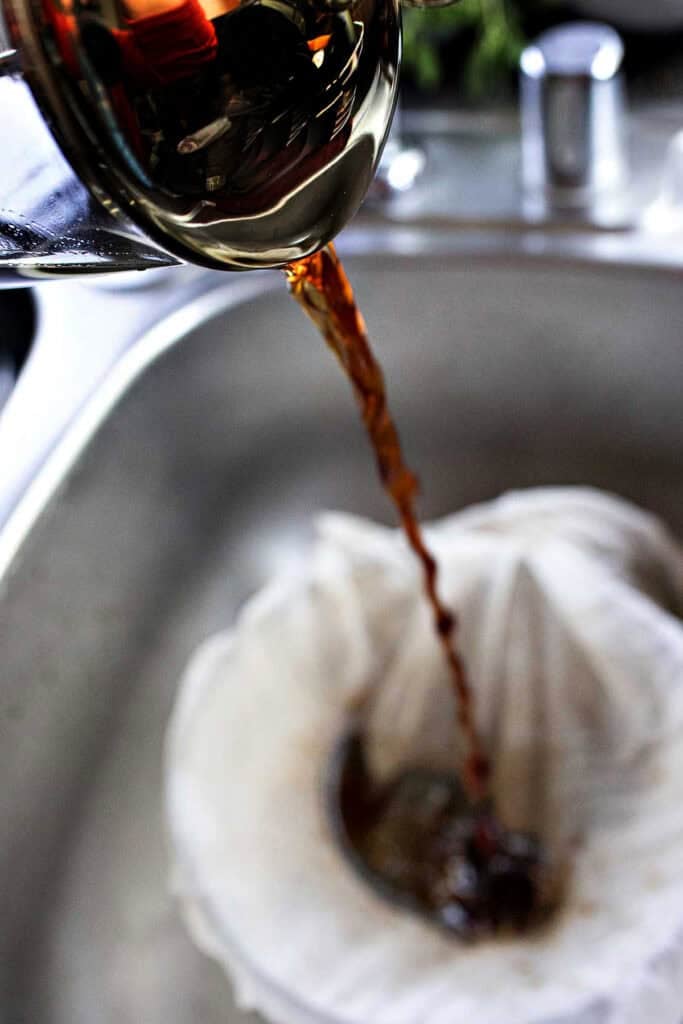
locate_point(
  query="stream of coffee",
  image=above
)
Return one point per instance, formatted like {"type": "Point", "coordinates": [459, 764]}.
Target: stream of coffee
{"type": "Point", "coordinates": [413, 838]}
{"type": "Point", "coordinates": [321, 287]}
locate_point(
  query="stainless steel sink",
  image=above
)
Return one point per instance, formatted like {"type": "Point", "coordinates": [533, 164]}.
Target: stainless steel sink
{"type": "Point", "coordinates": [194, 475]}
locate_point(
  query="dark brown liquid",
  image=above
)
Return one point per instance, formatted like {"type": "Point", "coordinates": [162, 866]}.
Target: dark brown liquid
{"type": "Point", "coordinates": [430, 843]}
{"type": "Point", "coordinates": [322, 289]}
{"type": "Point", "coordinates": [420, 845]}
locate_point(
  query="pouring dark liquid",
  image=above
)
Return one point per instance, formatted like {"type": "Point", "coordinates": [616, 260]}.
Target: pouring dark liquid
{"type": "Point", "coordinates": [321, 287]}
{"type": "Point", "coordinates": [417, 838]}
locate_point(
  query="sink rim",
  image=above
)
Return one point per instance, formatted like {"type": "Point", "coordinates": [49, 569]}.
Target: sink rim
{"type": "Point", "coordinates": [219, 295]}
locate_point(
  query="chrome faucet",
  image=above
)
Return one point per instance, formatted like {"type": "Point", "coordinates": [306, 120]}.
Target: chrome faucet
{"type": "Point", "coordinates": [230, 134]}
{"type": "Point", "coordinates": [573, 123]}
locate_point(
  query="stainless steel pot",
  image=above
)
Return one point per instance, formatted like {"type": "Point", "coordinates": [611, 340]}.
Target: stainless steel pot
{"type": "Point", "coordinates": [230, 134]}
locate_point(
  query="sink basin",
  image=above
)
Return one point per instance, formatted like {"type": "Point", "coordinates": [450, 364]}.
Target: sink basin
{"type": "Point", "coordinates": [193, 477]}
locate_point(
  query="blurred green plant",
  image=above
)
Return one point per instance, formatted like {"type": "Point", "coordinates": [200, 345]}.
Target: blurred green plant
{"type": "Point", "coordinates": [497, 43]}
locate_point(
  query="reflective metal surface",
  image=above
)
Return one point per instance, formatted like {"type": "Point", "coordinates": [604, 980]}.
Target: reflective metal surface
{"type": "Point", "coordinates": [573, 116]}
{"type": "Point", "coordinates": [472, 179]}
{"type": "Point", "coordinates": [232, 134]}
{"type": "Point", "coordinates": [197, 486]}
{"type": "Point", "coordinates": [49, 223]}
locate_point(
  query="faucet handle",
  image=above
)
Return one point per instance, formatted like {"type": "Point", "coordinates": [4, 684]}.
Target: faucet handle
{"type": "Point", "coordinates": [573, 105]}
